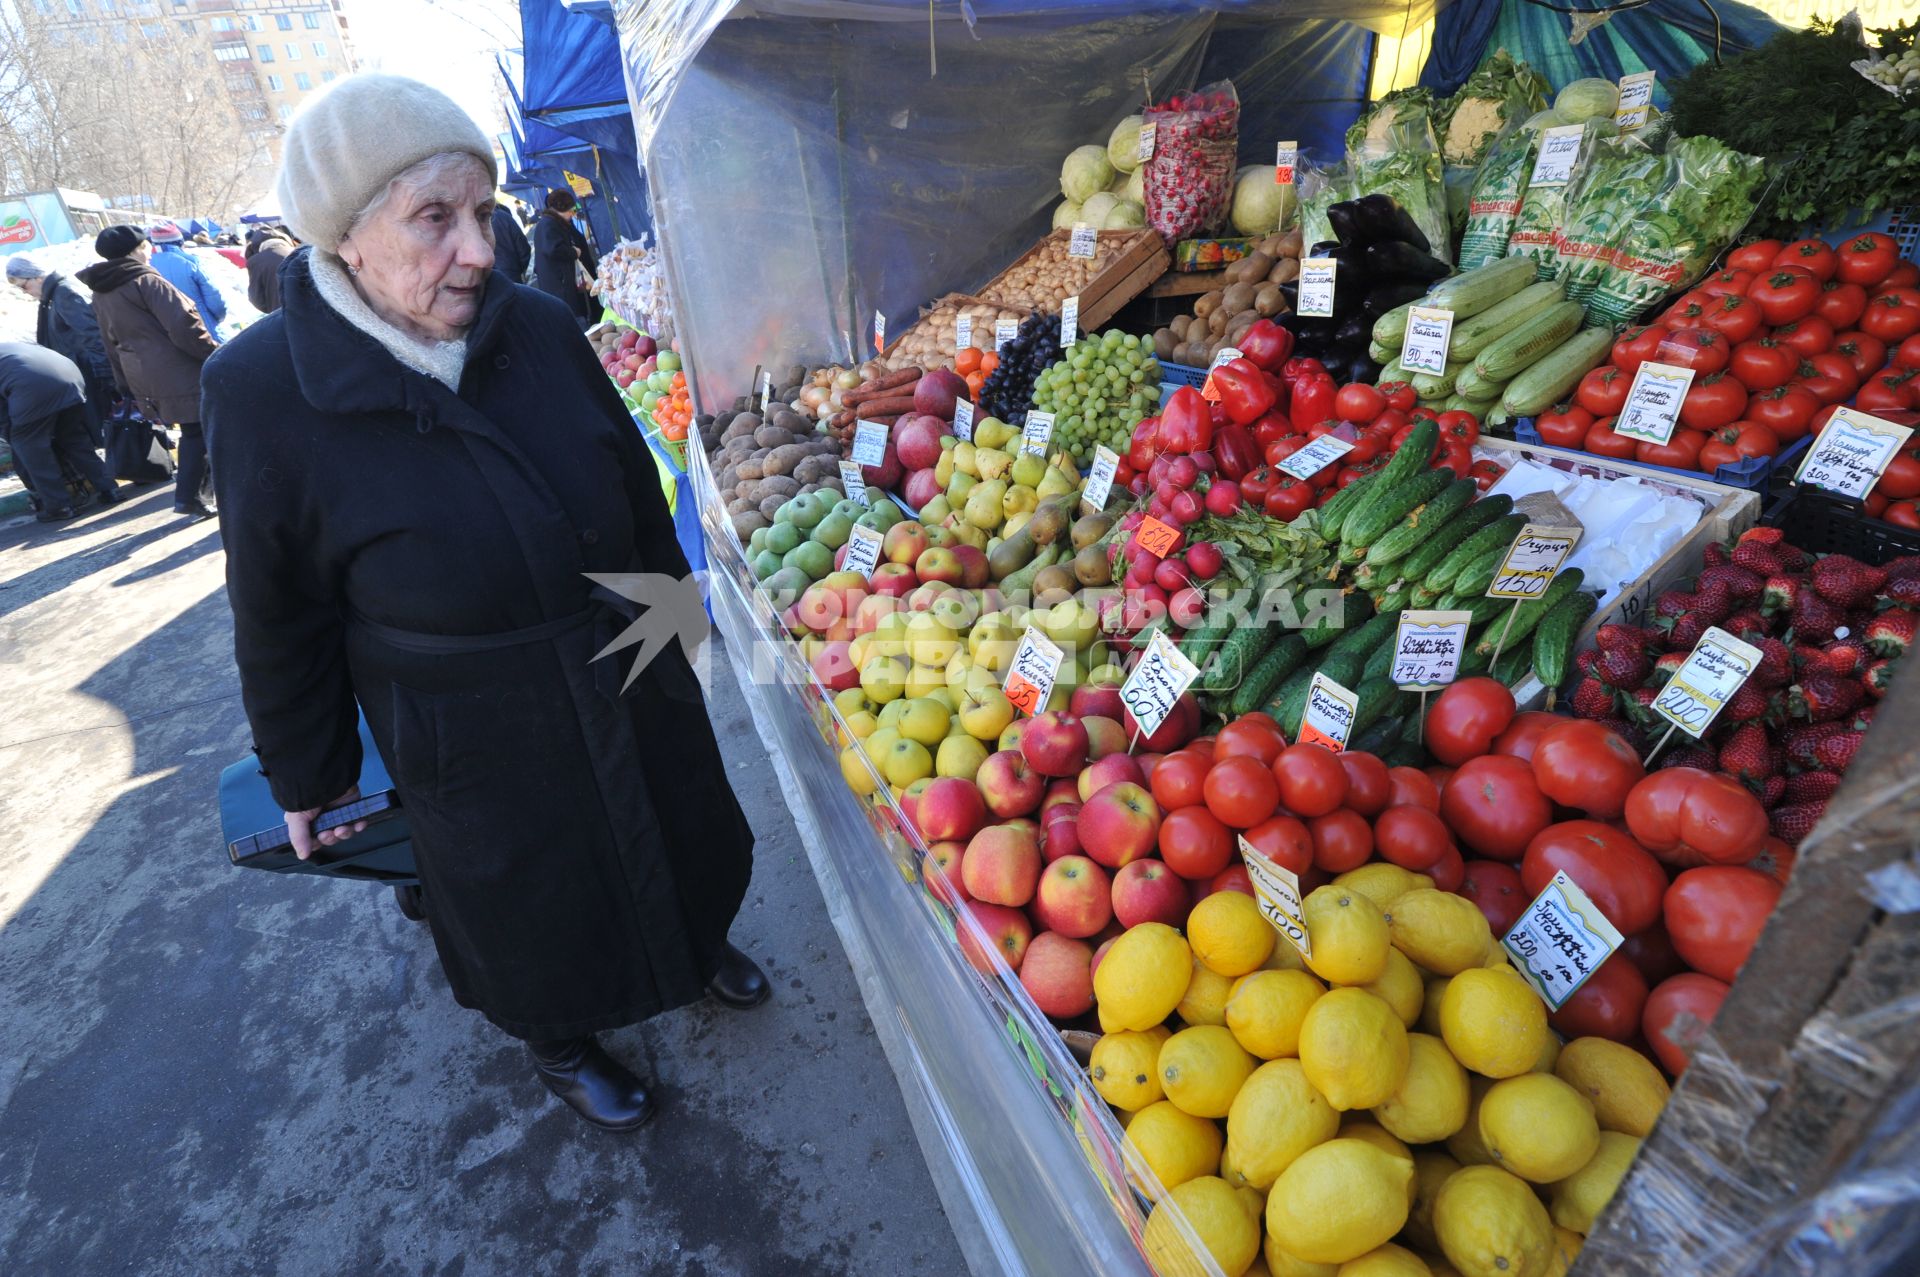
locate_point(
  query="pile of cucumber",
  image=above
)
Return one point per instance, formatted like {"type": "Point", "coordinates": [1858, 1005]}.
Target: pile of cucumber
{"type": "Point", "coordinates": [1518, 346]}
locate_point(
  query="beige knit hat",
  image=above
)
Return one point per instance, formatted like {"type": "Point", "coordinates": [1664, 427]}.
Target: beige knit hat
{"type": "Point", "coordinates": [354, 137]}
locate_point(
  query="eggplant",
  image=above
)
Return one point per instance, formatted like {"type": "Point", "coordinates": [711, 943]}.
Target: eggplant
{"type": "Point", "coordinates": [1382, 219]}
{"type": "Point", "coordinates": [1354, 330]}
{"type": "Point", "coordinates": [1345, 220]}
{"type": "Point", "coordinates": [1382, 298]}
{"type": "Point", "coordinates": [1399, 260]}
{"type": "Point", "coordinates": [1325, 248]}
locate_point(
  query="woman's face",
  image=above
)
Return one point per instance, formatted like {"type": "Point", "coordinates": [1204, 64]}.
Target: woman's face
{"type": "Point", "coordinates": [422, 258]}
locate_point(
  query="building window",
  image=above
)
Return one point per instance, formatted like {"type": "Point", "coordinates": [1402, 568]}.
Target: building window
{"type": "Point", "coordinates": [186, 26]}
{"type": "Point", "coordinates": [151, 30]}
{"type": "Point", "coordinates": [303, 81]}
{"type": "Point", "coordinates": [231, 53]}
{"type": "Point", "coordinates": [326, 77]}
{"type": "Point", "coordinates": [286, 113]}
{"type": "Point", "coordinates": [250, 23]}
{"type": "Point", "coordinates": [293, 51]}
{"type": "Point", "coordinates": [283, 21]}
{"type": "Point", "coordinates": [266, 53]}
{"type": "Point", "coordinates": [223, 24]}
{"type": "Point", "coordinates": [312, 20]}
{"type": "Point", "coordinates": [319, 48]}
{"type": "Point", "coordinates": [73, 7]}
{"type": "Point", "coordinates": [275, 83]}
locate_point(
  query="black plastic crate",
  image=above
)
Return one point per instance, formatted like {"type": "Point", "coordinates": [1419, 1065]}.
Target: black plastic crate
{"type": "Point", "coordinates": [1826, 523]}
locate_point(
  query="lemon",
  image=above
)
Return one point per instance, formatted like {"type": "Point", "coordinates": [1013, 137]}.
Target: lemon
{"type": "Point", "coordinates": [1386, 1261]}
{"type": "Point", "coordinates": [1228, 933]}
{"type": "Point", "coordinates": [1219, 1224]}
{"type": "Point", "coordinates": [1282, 1264]}
{"type": "Point", "coordinates": [1349, 936]}
{"type": "Point", "coordinates": [1381, 882]}
{"type": "Point", "coordinates": [1538, 1127]}
{"type": "Point", "coordinates": [1143, 977]}
{"type": "Point", "coordinates": [1492, 1021]}
{"type": "Point", "coordinates": [1176, 1146]}
{"type": "Point", "coordinates": [1378, 1136]}
{"type": "Point", "coordinates": [1205, 1001]}
{"type": "Point", "coordinates": [1566, 1249]}
{"type": "Point", "coordinates": [1549, 1055]}
{"type": "Point", "coordinates": [1276, 1117]}
{"type": "Point", "coordinates": [1491, 1225]}
{"type": "Point", "coordinates": [1442, 932]}
{"type": "Point", "coordinates": [1400, 987]}
{"type": "Point", "coordinates": [1435, 990]}
{"type": "Point", "coordinates": [1126, 1069]}
{"type": "Point", "coordinates": [1431, 1169]}
{"type": "Point", "coordinates": [1264, 1010]}
{"type": "Point", "coordinates": [1465, 1143]}
{"type": "Point", "coordinates": [1431, 1102]}
{"type": "Point", "coordinates": [1627, 1091]}
{"type": "Point", "coordinates": [1284, 958]}
{"type": "Point", "coordinates": [1353, 1048]}
{"type": "Point", "coordinates": [1577, 1200]}
{"type": "Point", "coordinates": [1338, 1201]}
{"type": "Point", "coordinates": [1202, 1069]}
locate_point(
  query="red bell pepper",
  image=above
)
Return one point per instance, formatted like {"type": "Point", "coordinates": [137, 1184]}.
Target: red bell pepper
{"type": "Point", "coordinates": [1185, 423]}
{"type": "Point", "coordinates": [1267, 345]}
{"type": "Point", "coordinates": [1301, 366]}
{"type": "Point", "coordinates": [1145, 444]}
{"type": "Point", "coordinates": [1244, 393]}
{"type": "Point", "coordinates": [1234, 451]}
{"type": "Point", "coordinates": [1312, 400]}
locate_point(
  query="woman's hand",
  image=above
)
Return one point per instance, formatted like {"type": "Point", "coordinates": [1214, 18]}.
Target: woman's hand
{"type": "Point", "coordinates": [300, 827]}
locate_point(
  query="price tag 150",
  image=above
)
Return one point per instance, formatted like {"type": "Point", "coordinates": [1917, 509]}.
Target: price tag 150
{"type": "Point", "coordinates": [1316, 287]}
{"type": "Point", "coordinates": [1315, 457]}
{"type": "Point", "coordinates": [962, 333]}
{"type": "Point", "coordinates": [870, 442]}
{"type": "Point", "coordinates": [1560, 941]}
{"type": "Point", "coordinates": [1036, 433]}
{"type": "Point", "coordinates": [1106, 465]}
{"type": "Point", "coordinates": [963, 420]}
{"type": "Point", "coordinates": [1711, 674]}
{"type": "Point", "coordinates": [863, 551]}
{"type": "Point", "coordinates": [1083, 242]}
{"type": "Point", "coordinates": [852, 482]}
{"type": "Point", "coordinates": [1652, 406]}
{"type": "Point", "coordinates": [1852, 450]}
{"type": "Point", "coordinates": [1427, 648]}
{"type": "Point", "coordinates": [1285, 161]}
{"type": "Point", "coordinates": [1069, 321]}
{"type": "Point", "coordinates": [1277, 890]}
{"type": "Point", "coordinates": [1532, 561]}
{"type": "Point", "coordinates": [1330, 712]}
{"type": "Point", "coordinates": [1036, 662]}
{"type": "Point", "coordinates": [1429, 337]}
{"type": "Point", "coordinates": [1156, 683]}
{"type": "Point", "coordinates": [1559, 152]}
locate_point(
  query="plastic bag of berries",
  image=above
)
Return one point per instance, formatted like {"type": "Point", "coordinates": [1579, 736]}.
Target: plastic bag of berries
{"type": "Point", "coordinates": [1196, 140]}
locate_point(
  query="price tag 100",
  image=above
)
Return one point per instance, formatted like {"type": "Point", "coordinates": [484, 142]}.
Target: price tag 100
{"type": "Point", "coordinates": [1285, 161]}
{"type": "Point", "coordinates": [879, 332]}
{"type": "Point", "coordinates": [963, 420]}
{"type": "Point", "coordinates": [1069, 321]}
{"type": "Point", "coordinates": [1560, 941]}
{"type": "Point", "coordinates": [1226, 354]}
{"type": "Point", "coordinates": [1532, 561]}
{"type": "Point", "coordinates": [1330, 712]}
{"type": "Point", "coordinates": [1036, 662]}
{"type": "Point", "coordinates": [1004, 331]}
{"type": "Point", "coordinates": [1852, 450]}
{"type": "Point", "coordinates": [863, 551]}
{"type": "Point", "coordinates": [1106, 465]}
{"type": "Point", "coordinates": [1429, 337]}
{"type": "Point", "coordinates": [1559, 152]}
{"type": "Point", "coordinates": [1036, 433]}
{"type": "Point", "coordinates": [870, 442]}
{"type": "Point", "coordinates": [1316, 287]}
{"type": "Point", "coordinates": [1315, 457]}
{"type": "Point", "coordinates": [1636, 97]}
{"type": "Point", "coordinates": [1712, 673]}
{"type": "Point", "coordinates": [1427, 648]}
{"type": "Point", "coordinates": [852, 482]}
{"type": "Point", "coordinates": [1652, 407]}
{"type": "Point", "coordinates": [1147, 136]}
{"type": "Point", "coordinates": [1156, 683]}
{"type": "Point", "coordinates": [1083, 242]}
{"type": "Point", "coordinates": [1277, 890]}
{"type": "Point", "coordinates": [962, 333]}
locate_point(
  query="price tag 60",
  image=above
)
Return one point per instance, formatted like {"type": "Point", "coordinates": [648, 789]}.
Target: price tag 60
{"type": "Point", "coordinates": [963, 420]}
{"type": "Point", "coordinates": [852, 482]}
{"type": "Point", "coordinates": [1852, 450]}
{"type": "Point", "coordinates": [962, 333]}
{"type": "Point", "coordinates": [1106, 465]}
{"type": "Point", "coordinates": [1532, 561]}
{"type": "Point", "coordinates": [1330, 712]}
{"type": "Point", "coordinates": [1036, 662]}
{"type": "Point", "coordinates": [1315, 457]}
{"type": "Point", "coordinates": [1652, 406]}
{"type": "Point", "coordinates": [1429, 337]}
{"type": "Point", "coordinates": [1035, 434]}
{"type": "Point", "coordinates": [870, 442]}
{"type": "Point", "coordinates": [1636, 97]}
{"type": "Point", "coordinates": [1069, 321]}
{"type": "Point", "coordinates": [879, 332]}
{"type": "Point", "coordinates": [1004, 331]}
{"type": "Point", "coordinates": [1316, 287]}
{"type": "Point", "coordinates": [1277, 890]}
{"type": "Point", "coordinates": [1559, 152]}
{"type": "Point", "coordinates": [863, 551]}
{"type": "Point", "coordinates": [1427, 648]}
{"type": "Point", "coordinates": [1083, 242]}
{"type": "Point", "coordinates": [1285, 161]}
{"type": "Point", "coordinates": [1560, 941]}
{"type": "Point", "coordinates": [1155, 537]}
{"type": "Point", "coordinates": [1712, 673]}
{"type": "Point", "coordinates": [1156, 683]}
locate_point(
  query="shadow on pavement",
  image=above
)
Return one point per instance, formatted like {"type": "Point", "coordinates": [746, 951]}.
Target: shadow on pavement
{"type": "Point", "coordinates": [54, 576]}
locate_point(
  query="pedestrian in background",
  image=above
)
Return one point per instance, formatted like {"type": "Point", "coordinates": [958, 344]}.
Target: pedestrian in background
{"type": "Point", "coordinates": [41, 397]}
{"type": "Point", "coordinates": [178, 267]}
{"type": "Point", "coordinates": [156, 344]}
{"type": "Point", "coordinates": [511, 253]}
{"type": "Point", "coordinates": [561, 253]}
{"type": "Point", "coordinates": [267, 250]}
{"type": "Point", "coordinates": [65, 322]}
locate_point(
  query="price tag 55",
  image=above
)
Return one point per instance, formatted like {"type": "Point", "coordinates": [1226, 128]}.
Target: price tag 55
{"type": "Point", "coordinates": [1036, 663]}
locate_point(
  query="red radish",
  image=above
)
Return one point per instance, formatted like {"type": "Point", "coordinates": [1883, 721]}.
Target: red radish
{"type": "Point", "coordinates": [1183, 473]}
{"type": "Point", "coordinates": [1157, 472]}
{"type": "Point", "coordinates": [1204, 560]}
{"type": "Point", "coordinates": [1137, 485]}
{"type": "Point", "coordinates": [1223, 497]}
{"type": "Point", "coordinates": [1157, 507]}
{"type": "Point", "coordinates": [1131, 520]}
{"type": "Point", "coordinates": [1171, 575]}
{"type": "Point", "coordinates": [1204, 460]}
{"type": "Point", "coordinates": [1186, 508]}
{"type": "Point", "coordinates": [1185, 607]}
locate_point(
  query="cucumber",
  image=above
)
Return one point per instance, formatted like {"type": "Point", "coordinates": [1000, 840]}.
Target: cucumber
{"type": "Point", "coordinates": [1421, 522]}
{"type": "Point", "coordinates": [1411, 457]}
{"type": "Point", "coordinates": [1486, 611]}
{"type": "Point", "coordinates": [1515, 663]}
{"type": "Point", "coordinates": [1554, 637]}
{"type": "Point", "coordinates": [1377, 697]}
{"type": "Point", "coordinates": [1379, 662]}
{"type": "Point", "coordinates": [1200, 641]}
{"type": "Point", "coordinates": [1364, 638]}
{"type": "Point", "coordinates": [1334, 513]}
{"type": "Point", "coordinates": [1474, 336]}
{"type": "Point", "coordinates": [1428, 386]}
{"type": "Point", "coordinates": [1478, 291]}
{"type": "Point", "coordinates": [1376, 738]}
{"type": "Point", "coordinates": [1494, 538]}
{"type": "Point", "coordinates": [1239, 653]}
{"type": "Point", "coordinates": [1391, 328]}
{"type": "Point", "coordinates": [1394, 600]}
{"type": "Point", "coordinates": [1451, 533]}
{"type": "Point", "coordinates": [1267, 674]}
{"type": "Point", "coordinates": [1372, 578]}
{"type": "Point", "coordinates": [1372, 520]}
{"type": "Point", "coordinates": [1357, 607]}
{"type": "Point", "coordinates": [1532, 610]}
{"type": "Point", "coordinates": [1292, 696]}
{"type": "Point", "coordinates": [1531, 342]}
{"type": "Point", "coordinates": [1548, 380]}
{"type": "Point", "coordinates": [1478, 575]}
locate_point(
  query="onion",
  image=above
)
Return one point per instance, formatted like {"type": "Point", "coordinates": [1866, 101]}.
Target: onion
{"type": "Point", "coordinates": [813, 396]}
{"type": "Point", "coordinates": [846, 379]}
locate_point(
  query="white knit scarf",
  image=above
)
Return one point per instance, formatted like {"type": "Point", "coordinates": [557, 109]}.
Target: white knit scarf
{"type": "Point", "coordinates": [441, 360]}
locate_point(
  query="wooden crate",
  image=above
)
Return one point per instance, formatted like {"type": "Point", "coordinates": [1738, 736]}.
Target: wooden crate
{"type": "Point", "coordinates": [1128, 261]}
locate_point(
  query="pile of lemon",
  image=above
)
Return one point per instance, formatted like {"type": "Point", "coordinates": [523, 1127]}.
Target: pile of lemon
{"type": "Point", "coordinates": [1393, 1106]}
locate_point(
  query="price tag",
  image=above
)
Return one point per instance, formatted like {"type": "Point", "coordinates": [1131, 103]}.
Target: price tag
{"type": "Point", "coordinates": [1429, 337]}
{"type": "Point", "coordinates": [1147, 132]}
{"type": "Point", "coordinates": [1713, 672]}
{"type": "Point", "coordinates": [1156, 683]}
{"type": "Point", "coordinates": [1069, 321]}
{"type": "Point", "coordinates": [1427, 648]}
{"type": "Point", "coordinates": [1852, 450]}
{"type": "Point", "coordinates": [963, 420]}
{"type": "Point", "coordinates": [1036, 662]}
{"type": "Point", "coordinates": [962, 333]}
{"type": "Point", "coordinates": [879, 332]}
{"type": "Point", "coordinates": [870, 442]}
{"type": "Point", "coordinates": [1004, 331]}
{"type": "Point", "coordinates": [852, 482]}
{"type": "Point", "coordinates": [766, 389]}
{"type": "Point", "coordinates": [1277, 890]}
{"type": "Point", "coordinates": [1083, 242]}
{"type": "Point", "coordinates": [1559, 152]}
{"type": "Point", "coordinates": [1560, 941]}
{"type": "Point", "coordinates": [863, 551]}
{"type": "Point", "coordinates": [1316, 287]}
{"type": "Point", "coordinates": [1329, 717]}
{"type": "Point", "coordinates": [1208, 389]}
{"type": "Point", "coordinates": [1315, 457]}
{"type": "Point", "coordinates": [1636, 99]}
{"type": "Point", "coordinates": [1285, 163]}
{"type": "Point", "coordinates": [1106, 464]}
{"type": "Point", "coordinates": [1155, 537]}
{"type": "Point", "coordinates": [1532, 561]}
{"type": "Point", "coordinates": [1652, 407]}
{"type": "Point", "coordinates": [1035, 434]}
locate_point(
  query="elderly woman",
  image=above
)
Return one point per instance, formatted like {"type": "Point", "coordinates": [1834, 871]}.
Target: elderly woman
{"type": "Point", "coordinates": [418, 464]}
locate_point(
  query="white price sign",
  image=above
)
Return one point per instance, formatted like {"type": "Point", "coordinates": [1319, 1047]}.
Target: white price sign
{"type": "Point", "coordinates": [1145, 151]}
{"type": "Point", "coordinates": [1285, 162]}
{"type": "Point", "coordinates": [1069, 321]}
{"type": "Point", "coordinates": [963, 420]}
{"type": "Point", "coordinates": [1106, 464]}
{"type": "Point", "coordinates": [863, 551]}
{"type": "Point", "coordinates": [1559, 152]}
{"type": "Point", "coordinates": [1226, 354]}
{"type": "Point", "coordinates": [1036, 662]}
{"type": "Point", "coordinates": [1315, 457]}
{"type": "Point", "coordinates": [1330, 713]}
{"type": "Point", "coordinates": [1852, 450]}
{"type": "Point", "coordinates": [1429, 338]}
{"type": "Point", "coordinates": [1712, 673]}
{"type": "Point", "coordinates": [1036, 433]}
{"type": "Point", "coordinates": [1156, 683]}
{"type": "Point", "coordinates": [870, 442]}
{"type": "Point", "coordinates": [1316, 287]}
{"type": "Point", "coordinates": [1652, 407]}
{"type": "Point", "coordinates": [1636, 99]}
{"type": "Point", "coordinates": [1427, 648]}
{"type": "Point", "coordinates": [766, 389]}
{"type": "Point", "coordinates": [1083, 242]}
{"type": "Point", "coordinates": [852, 482]}
{"type": "Point", "coordinates": [1532, 561]}
{"type": "Point", "coordinates": [1560, 941]}
{"type": "Point", "coordinates": [879, 332]}
{"type": "Point", "coordinates": [1277, 890]}
{"type": "Point", "coordinates": [962, 333]}
{"type": "Point", "coordinates": [1004, 331]}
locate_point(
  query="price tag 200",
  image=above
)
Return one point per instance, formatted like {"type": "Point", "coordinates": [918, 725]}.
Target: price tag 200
{"type": "Point", "coordinates": [1316, 287]}
{"type": "Point", "coordinates": [879, 332]}
{"type": "Point", "coordinates": [1069, 321]}
{"type": "Point", "coordinates": [1652, 407]}
{"type": "Point", "coordinates": [1330, 713]}
{"type": "Point", "coordinates": [1036, 663]}
{"type": "Point", "coordinates": [1083, 242]}
{"type": "Point", "coordinates": [1532, 561]}
{"type": "Point", "coordinates": [1036, 433]}
{"type": "Point", "coordinates": [1560, 941]}
{"type": "Point", "coordinates": [963, 420]}
{"type": "Point", "coordinates": [1315, 457]}
{"type": "Point", "coordinates": [1852, 450]}
{"type": "Point", "coordinates": [852, 482]}
{"type": "Point", "coordinates": [863, 551]}
{"type": "Point", "coordinates": [1427, 648]}
{"type": "Point", "coordinates": [1285, 161]}
{"type": "Point", "coordinates": [1559, 152]}
{"type": "Point", "coordinates": [1712, 673]}
{"type": "Point", "coordinates": [1156, 683]}
{"type": "Point", "coordinates": [1106, 465]}
{"type": "Point", "coordinates": [870, 442]}
{"type": "Point", "coordinates": [962, 333]}
{"type": "Point", "coordinates": [1429, 337]}
{"type": "Point", "coordinates": [1004, 331]}
{"type": "Point", "coordinates": [1277, 891]}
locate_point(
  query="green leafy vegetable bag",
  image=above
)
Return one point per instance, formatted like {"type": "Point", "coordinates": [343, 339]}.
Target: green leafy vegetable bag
{"type": "Point", "coordinates": [1499, 188]}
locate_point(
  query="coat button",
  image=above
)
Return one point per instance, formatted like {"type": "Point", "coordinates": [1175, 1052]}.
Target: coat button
{"type": "Point", "coordinates": [590, 537]}
{"type": "Point", "coordinates": [501, 362]}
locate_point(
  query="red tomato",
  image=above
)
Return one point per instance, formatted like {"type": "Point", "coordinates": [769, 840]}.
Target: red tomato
{"type": "Point", "coordinates": [1868, 355]}
{"type": "Point", "coordinates": [1829, 377]}
{"type": "Point", "coordinates": [1723, 283]}
{"type": "Point", "coordinates": [1867, 258]}
{"type": "Point", "coordinates": [1411, 837]}
{"type": "Point", "coordinates": [1891, 389]}
{"type": "Point", "coordinates": [1622, 880]}
{"type": "Point", "coordinates": [1241, 792]}
{"type": "Point", "coordinates": [1815, 256]}
{"type": "Point", "coordinates": [1252, 737]}
{"type": "Point", "coordinates": [1439, 776]}
{"type": "Point", "coordinates": [1804, 337]}
{"type": "Point", "coordinates": [1603, 441]}
{"type": "Point", "coordinates": [1454, 455]}
{"type": "Point", "coordinates": [1688, 311]}
{"type": "Point", "coordinates": [1713, 401]}
{"type": "Point", "coordinates": [1398, 394]}
{"type": "Point", "coordinates": [1682, 451]}
{"type": "Point", "coordinates": [1608, 1005]}
{"type": "Point", "coordinates": [1908, 354]}
{"type": "Point", "coordinates": [1893, 316]}
{"type": "Point", "coordinates": [1284, 841]}
{"type": "Point", "coordinates": [1603, 391]}
{"type": "Point", "coordinates": [1496, 889]}
{"type": "Point", "coordinates": [1762, 364]}
{"type": "Point", "coordinates": [1288, 498]}
{"type": "Point", "coordinates": [1653, 952]}
{"type": "Point", "coordinates": [1369, 787]}
{"type": "Point", "coordinates": [1232, 878]}
{"type": "Point", "coordinates": [1840, 303]}
{"type": "Point", "coordinates": [1902, 514]}
{"type": "Point", "coordinates": [1485, 473]}
{"type": "Point", "coordinates": [1786, 411]}
{"type": "Point", "coordinates": [1312, 781]}
{"type": "Point", "coordinates": [1785, 295]}
{"type": "Point", "coordinates": [1715, 915]}
{"type": "Point", "coordinates": [1359, 403]}
{"type": "Point", "coordinates": [1466, 717]}
{"type": "Point", "coordinates": [1524, 732]}
{"type": "Point", "coordinates": [1876, 504]}
{"type": "Point", "coordinates": [1677, 1015]}
{"type": "Point", "coordinates": [1904, 274]}
{"type": "Point", "coordinates": [1686, 816]}
{"type": "Point", "coordinates": [1756, 256]}
{"type": "Point", "coordinates": [1342, 839]}
{"type": "Point", "coordinates": [1565, 426]}
{"type": "Point", "coordinates": [1900, 481]}
{"type": "Point", "coordinates": [1412, 787]}
{"type": "Point", "coordinates": [1256, 483]}
{"type": "Point", "coordinates": [1458, 423]}
{"type": "Point", "coordinates": [1449, 871]}
{"type": "Point", "coordinates": [1201, 745]}
{"type": "Point", "coordinates": [1736, 318]}
{"type": "Point", "coordinates": [1179, 780]}
{"type": "Point", "coordinates": [1701, 349]}
{"type": "Point", "coordinates": [1730, 445]}
{"type": "Point", "coordinates": [1637, 345]}
{"type": "Point", "coordinates": [1494, 806]}
{"type": "Point", "coordinates": [1776, 858]}
{"type": "Point", "coordinates": [1582, 765]}
{"type": "Point", "coordinates": [1195, 844]}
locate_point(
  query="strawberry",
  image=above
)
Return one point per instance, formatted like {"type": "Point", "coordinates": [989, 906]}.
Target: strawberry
{"type": "Point", "coordinates": [1815, 617]}
{"type": "Point", "coordinates": [1664, 666]}
{"type": "Point", "coordinates": [1623, 638]}
{"type": "Point", "coordinates": [1772, 790]}
{"type": "Point", "coordinates": [1811, 787]}
{"type": "Point", "coordinates": [1890, 634]}
{"type": "Point", "coordinates": [1846, 580]}
{"type": "Point", "coordinates": [1748, 705]}
{"type": "Point", "coordinates": [1776, 663]}
{"type": "Point", "coordinates": [1586, 660]}
{"type": "Point", "coordinates": [1879, 678]}
{"type": "Point", "coordinates": [1742, 583]}
{"type": "Point", "coordinates": [1716, 554]}
{"type": "Point", "coordinates": [1715, 602]}
{"type": "Point", "coordinates": [1844, 657]}
{"type": "Point", "coordinates": [1669, 604]}
{"type": "Point", "coordinates": [1630, 732]}
{"type": "Point", "coordinates": [1625, 668]}
{"type": "Point", "coordinates": [1901, 591]}
{"type": "Point", "coordinates": [1745, 755]}
{"type": "Point", "coordinates": [1800, 742]}
{"type": "Point", "coordinates": [1687, 631]}
{"type": "Point", "coordinates": [1755, 558]}
{"type": "Point", "coordinates": [1835, 752]}
{"type": "Point", "coordinates": [1821, 697]}
{"type": "Point", "coordinates": [1861, 719]}
{"type": "Point", "coordinates": [1688, 756]}
{"type": "Point", "coordinates": [1795, 821]}
{"type": "Point", "coordinates": [1638, 706]}
{"type": "Point", "coordinates": [1779, 593]}
{"type": "Point", "coordinates": [1748, 623]}
{"type": "Point", "coordinates": [1763, 536]}
{"type": "Point", "coordinates": [1907, 565]}
{"type": "Point", "coordinates": [1592, 699]}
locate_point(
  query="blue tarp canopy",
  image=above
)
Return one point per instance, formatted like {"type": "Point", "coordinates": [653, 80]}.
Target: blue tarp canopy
{"type": "Point", "coordinates": [570, 62]}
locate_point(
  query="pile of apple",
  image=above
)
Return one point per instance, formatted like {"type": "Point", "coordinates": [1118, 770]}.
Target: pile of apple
{"type": "Point", "coordinates": [630, 356]}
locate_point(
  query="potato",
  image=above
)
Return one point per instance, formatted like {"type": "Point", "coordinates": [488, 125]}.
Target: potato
{"type": "Point", "coordinates": [740, 505]}
{"type": "Point", "coordinates": [784, 484]}
{"type": "Point", "coordinates": [748, 522]}
{"type": "Point", "coordinates": [750, 468]}
{"type": "Point", "coordinates": [772, 437]}
{"type": "Point", "coordinates": [782, 460]}
{"type": "Point", "coordinates": [1237, 298]}
{"type": "Point", "coordinates": [1208, 303]}
{"type": "Point", "coordinates": [771, 505]}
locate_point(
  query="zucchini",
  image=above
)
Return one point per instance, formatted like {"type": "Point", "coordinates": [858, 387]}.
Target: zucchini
{"type": "Point", "coordinates": [1428, 386]}
{"type": "Point", "coordinates": [1531, 342]}
{"type": "Point", "coordinates": [1267, 674]}
{"type": "Point", "coordinates": [1376, 518]}
{"type": "Point", "coordinates": [1474, 386]}
{"type": "Point", "coordinates": [1451, 533]}
{"type": "Point", "coordinates": [1391, 328]}
{"type": "Point", "coordinates": [1532, 610]}
{"type": "Point", "coordinates": [1554, 637]}
{"type": "Point", "coordinates": [1478, 291]}
{"type": "Point", "coordinates": [1382, 354]}
{"type": "Point", "coordinates": [1356, 608]}
{"type": "Point", "coordinates": [1421, 522]}
{"type": "Point", "coordinates": [1478, 407]}
{"type": "Point", "coordinates": [1391, 371]}
{"type": "Point", "coordinates": [1494, 538]}
{"type": "Point", "coordinates": [1547, 382]}
{"type": "Point", "coordinates": [1335, 511]}
{"type": "Point", "coordinates": [1474, 336]}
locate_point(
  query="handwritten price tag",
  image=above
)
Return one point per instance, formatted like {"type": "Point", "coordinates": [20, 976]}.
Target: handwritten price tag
{"type": "Point", "coordinates": [1532, 561]}
{"type": "Point", "coordinates": [1560, 941]}
{"type": "Point", "coordinates": [1147, 135]}
{"type": "Point", "coordinates": [962, 333]}
{"type": "Point", "coordinates": [1035, 433]}
{"type": "Point", "coordinates": [870, 442]}
{"type": "Point", "coordinates": [1713, 672]}
{"type": "Point", "coordinates": [1069, 321]}
{"type": "Point", "coordinates": [1285, 162]}
{"type": "Point", "coordinates": [1209, 389]}
{"type": "Point", "coordinates": [863, 551]}
{"type": "Point", "coordinates": [1429, 337]}
{"type": "Point", "coordinates": [852, 482]}
{"type": "Point", "coordinates": [766, 389]}
{"type": "Point", "coordinates": [1559, 152]}
{"type": "Point", "coordinates": [1106, 465]}
{"type": "Point", "coordinates": [1004, 331]}
{"type": "Point", "coordinates": [1316, 287]}
{"type": "Point", "coordinates": [1083, 242]}
{"type": "Point", "coordinates": [1277, 890]}
{"type": "Point", "coordinates": [1155, 537]}
{"type": "Point", "coordinates": [1036, 663]}
{"type": "Point", "coordinates": [1852, 450]}
{"type": "Point", "coordinates": [1652, 407]}
{"type": "Point", "coordinates": [1315, 457]}
{"type": "Point", "coordinates": [963, 420]}
{"type": "Point", "coordinates": [879, 332]}
{"type": "Point", "coordinates": [1330, 712]}
{"type": "Point", "coordinates": [1156, 683]}
{"type": "Point", "coordinates": [1636, 98]}
{"type": "Point", "coordinates": [1427, 649]}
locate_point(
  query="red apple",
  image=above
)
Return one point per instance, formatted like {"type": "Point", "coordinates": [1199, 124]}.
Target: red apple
{"type": "Point", "coordinates": [834, 668]}
{"type": "Point", "coordinates": [1105, 736]}
{"type": "Point", "coordinates": [974, 573]}
{"type": "Point", "coordinates": [1002, 865]}
{"type": "Point", "coordinates": [1101, 951]}
{"type": "Point", "coordinates": [1232, 878]}
{"type": "Point", "coordinates": [1025, 823]}
{"type": "Point", "coordinates": [937, 563]}
{"type": "Point", "coordinates": [945, 885]}
{"type": "Point", "coordinates": [1075, 897]}
{"type": "Point", "coordinates": [1119, 824]}
{"type": "Point", "coordinates": [1062, 832]}
{"type": "Point", "coordinates": [1108, 770]}
{"type": "Point", "coordinates": [1010, 739]}
{"type": "Point", "coordinates": [1058, 975]}
{"type": "Point", "coordinates": [1096, 700]}
{"type": "Point", "coordinates": [927, 594]}
{"type": "Point", "coordinates": [1061, 791]}
{"type": "Point", "coordinates": [910, 800]}
{"type": "Point", "coordinates": [921, 486]}
{"type": "Point", "coordinates": [1007, 932]}
{"type": "Point", "coordinates": [867, 616]}
{"type": "Point", "coordinates": [905, 542]}
{"type": "Point", "coordinates": [894, 579]}
{"type": "Point", "coordinates": [1179, 726]}
{"type": "Point", "coordinates": [951, 809]}
{"type": "Point", "coordinates": [1008, 785]}
{"type": "Point", "coordinates": [1148, 891]}
{"type": "Point", "coordinates": [1055, 743]}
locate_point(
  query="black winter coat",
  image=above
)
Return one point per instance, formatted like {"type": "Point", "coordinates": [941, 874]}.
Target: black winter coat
{"type": "Point", "coordinates": [557, 245]}
{"type": "Point", "coordinates": [511, 253]}
{"type": "Point", "coordinates": [65, 323]}
{"type": "Point", "coordinates": [264, 261]}
{"type": "Point", "coordinates": [155, 340]}
{"type": "Point", "coordinates": [391, 541]}
{"type": "Point", "coordinates": [36, 382]}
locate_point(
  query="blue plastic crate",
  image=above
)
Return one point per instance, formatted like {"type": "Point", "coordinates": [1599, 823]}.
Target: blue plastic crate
{"type": "Point", "coordinates": [1173, 376]}
{"type": "Point", "coordinates": [1751, 474]}
{"type": "Point", "coordinates": [1901, 223]}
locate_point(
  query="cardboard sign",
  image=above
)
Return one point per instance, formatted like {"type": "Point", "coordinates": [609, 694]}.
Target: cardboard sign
{"type": "Point", "coordinates": [1155, 537]}
{"type": "Point", "coordinates": [853, 483]}
{"type": "Point", "coordinates": [766, 389]}
{"type": "Point", "coordinates": [1156, 683]}
{"type": "Point", "coordinates": [870, 442]}
{"type": "Point", "coordinates": [863, 551]}
{"type": "Point", "coordinates": [1084, 241]}
{"type": "Point", "coordinates": [1560, 941]}
{"type": "Point", "coordinates": [1147, 134]}
{"type": "Point", "coordinates": [963, 420]}
{"type": "Point", "coordinates": [962, 333]}
{"type": "Point", "coordinates": [1532, 561]}
{"type": "Point", "coordinates": [1652, 408]}
{"type": "Point", "coordinates": [1429, 338]}
{"type": "Point", "coordinates": [1285, 162]}
{"type": "Point", "coordinates": [1036, 663]}
{"type": "Point", "coordinates": [1277, 891]}
{"type": "Point", "coordinates": [1004, 331]}
{"type": "Point", "coordinates": [1712, 673]}
{"type": "Point", "coordinates": [1316, 287]}
{"type": "Point", "coordinates": [1636, 101]}
{"type": "Point", "coordinates": [1069, 322]}
{"type": "Point", "coordinates": [1315, 457]}
{"type": "Point", "coordinates": [1209, 389]}
{"type": "Point", "coordinates": [879, 332]}
{"type": "Point", "coordinates": [1035, 434]}
{"type": "Point", "coordinates": [1852, 450]}
{"type": "Point", "coordinates": [1106, 465]}
{"type": "Point", "coordinates": [1330, 712]}
{"type": "Point", "coordinates": [1559, 152]}
{"type": "Point", "coordinates": [1427, 649]}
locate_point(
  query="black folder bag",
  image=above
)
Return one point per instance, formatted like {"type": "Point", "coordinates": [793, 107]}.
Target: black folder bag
{"type": "Point", "coordinates": [255, 831]}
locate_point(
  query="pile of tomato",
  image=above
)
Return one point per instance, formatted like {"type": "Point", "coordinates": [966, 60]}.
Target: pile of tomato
{"type": "Point", "coordinates": [674, 413]}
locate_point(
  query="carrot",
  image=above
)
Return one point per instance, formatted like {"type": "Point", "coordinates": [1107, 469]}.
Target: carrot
{"type": "Point", "coordinates": [874, 409]}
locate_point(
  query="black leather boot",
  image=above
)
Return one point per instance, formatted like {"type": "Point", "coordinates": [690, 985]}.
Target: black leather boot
{"type": "Point", "coordinates": [592, 1083]}
{"type": "Point", "coordinates": [739, 983]}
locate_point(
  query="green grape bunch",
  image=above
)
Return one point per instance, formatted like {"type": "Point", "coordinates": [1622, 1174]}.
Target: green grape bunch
{"type": "Point", "coordinates": [1098, 392]}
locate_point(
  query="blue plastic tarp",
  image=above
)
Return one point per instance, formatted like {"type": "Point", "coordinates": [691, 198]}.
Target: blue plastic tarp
{"type": "Point", "coordinates": [571, 61]}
